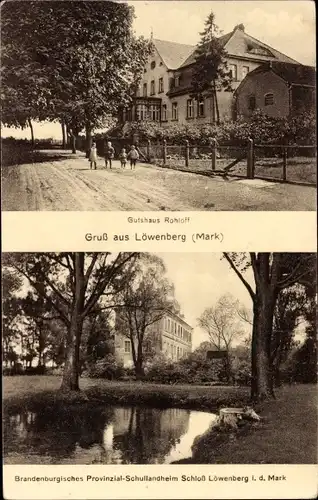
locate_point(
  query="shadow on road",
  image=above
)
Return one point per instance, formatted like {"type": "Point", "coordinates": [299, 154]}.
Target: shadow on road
{"type": "Point", "coordinates": [20, 154]}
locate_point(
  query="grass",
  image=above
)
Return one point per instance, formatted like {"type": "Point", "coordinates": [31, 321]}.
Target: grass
{"type": "Point", "coordinates": [302, 170]}
{"type": "Point", "coordinates": [287, 433]}
{"type": "Point", "coordinates": [30, 391]}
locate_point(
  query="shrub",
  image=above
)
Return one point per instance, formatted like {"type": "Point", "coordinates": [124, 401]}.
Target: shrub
{"type": "Point", "coordinates": [298, 129]}
{"type": "Point", "coordinates": [108, 367]}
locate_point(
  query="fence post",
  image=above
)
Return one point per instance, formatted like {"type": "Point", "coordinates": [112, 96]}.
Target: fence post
{"type": "Point", "coordinates": [148, 150]}
{"type": "Point", "coordinates": [250, 159]}
{"type": "Point", "coordinates": [213, 153]}
{"type": "Point", "coordinates": [187, 154]}
{"type": "Point", "coordinates": [164, 151]}
{"type": "Point", "coordinates": [284, 164]}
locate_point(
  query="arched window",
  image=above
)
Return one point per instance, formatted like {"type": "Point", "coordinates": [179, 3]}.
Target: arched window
{"type": "Point", "coordinates": [269, 99]}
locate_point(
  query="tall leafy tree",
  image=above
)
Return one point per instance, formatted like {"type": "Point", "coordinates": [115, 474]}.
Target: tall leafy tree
{"type": "Point", "coordinates": [73, 285]}
{"type": "Point", "coordinates": [210, 73]}
{"type": "Point", "coordinates": [272, 272]}
{"type": "Point", "coordinates": [146, 298]}
{"type": "Point", "coordinates": [221, 323]}
{"type": "Point", "coordinates": [75, 63]}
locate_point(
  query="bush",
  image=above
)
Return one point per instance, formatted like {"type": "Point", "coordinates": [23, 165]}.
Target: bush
{"type": "Point", "coordinates": [298, 129]}
{"type": "Point", "coordinates": [108, 367]}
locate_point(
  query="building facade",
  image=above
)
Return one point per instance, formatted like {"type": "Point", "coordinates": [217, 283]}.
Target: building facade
{"type": "Point", "coordinates": [164, 92]}
{"type": "Point", "coordinates": [170, 336]}
{"type": "Point", "coordinates": [279, 89]}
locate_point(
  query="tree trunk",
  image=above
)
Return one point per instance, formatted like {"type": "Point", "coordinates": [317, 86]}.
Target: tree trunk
{"type": "Point", "coordinates": [73, 142]}
{"type": "Point", "coordinates": [262, 385]}
{"type": "Point", "coordinates": [216, 104]}
{"type": "Point", "coordinates": [139, 369]}
{"type": "Point", "coordinates": [63, 135]}
{"type": "Point", "coordinates": [71, 366]}
{"type": "Point", "coordinates": [88, 133]}
{"type": "Point", "coordinates": [32, 132]}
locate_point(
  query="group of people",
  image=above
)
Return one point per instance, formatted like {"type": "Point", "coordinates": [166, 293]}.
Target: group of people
{"type": "Point", "coordinates": [109, 155]}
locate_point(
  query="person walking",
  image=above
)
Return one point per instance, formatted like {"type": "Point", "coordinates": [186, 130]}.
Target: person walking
{"type": "Point", "coordinates": [93, 156]}
{"type": "Point", "coordinates": [133, 155]}
{"type": "Point", "coordinates": [123, 158]}
{"type": "Point", "coordinates": [109, 154]}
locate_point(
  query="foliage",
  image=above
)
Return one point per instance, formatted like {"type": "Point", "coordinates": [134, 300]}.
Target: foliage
{"type": "Point", "coordinates": [210, 72]}
{"type": "Point", "coordinates": [300, 129]}
{"type": "Point", "coordinates": [273, 273]}
{"type": "Point", "coordinates": [108, 367]}
{"type": "Point", "coordinates": [73, 286]}
{"type": "Point", "coordinates": [68, 63]}
{"type": "Point", "coordinates": [145, 299]}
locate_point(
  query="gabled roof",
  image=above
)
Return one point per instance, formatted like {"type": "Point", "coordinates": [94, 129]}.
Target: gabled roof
{"type": "Point", "coordinates": [224, 40]}
{"type": "Point", "coordinates": [172, 53]}
{"type": "Point", "coordinates": [294, 74]}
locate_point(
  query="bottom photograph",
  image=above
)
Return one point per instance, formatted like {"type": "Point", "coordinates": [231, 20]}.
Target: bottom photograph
{"type": "Point", "coordinates": [159, 358]}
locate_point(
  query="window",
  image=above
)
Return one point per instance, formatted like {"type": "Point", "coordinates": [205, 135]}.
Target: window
{"type": "Point", "coordinates": [175, 111]}
{"type": "Point", "coordinates": [175, 328]}
{"type": "Point", "coordinates": [251, 102]}
{"type": "Point", "coordinates": [160, 89]}
{"type": "Point", "coordinates": [154, 112]}
{"type": "Point", "coordinates": [245, 70]}
{"type": "Point", "coordinates": [138, 92]}
{"type": "Point", "coordinates": [153, 64]}
{"type": "Point", "coordinates": [164, 113]}
{"type": "Point", "coordinates": [178, 352]}
{"type": "Point", "coordinates": [201, 108]}
{"type": "Point", "coordinates": [141, 112]}
{"type": "Point", "coordinates": [152, 87]}
{"type": "Point", "coordinates": [169, 325]}
{"type": "Point", "coordinates": [177, 81]}
{"type": "Point", "coordinates": [161, 63]}
{"type": "Point", "coordinates": [233, 71]}
{"type": "Point", "coordinates": [144, 91]}
{"type": "Point", "coordinates": [127, 345]}
{"type": "Point", "coordinates": [269, 99]}
{"type": "Point", "coordinates": [190, 113]}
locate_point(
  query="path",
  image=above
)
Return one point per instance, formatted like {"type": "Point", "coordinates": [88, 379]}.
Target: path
{"type": "Point", "coordinates": [65, 182]}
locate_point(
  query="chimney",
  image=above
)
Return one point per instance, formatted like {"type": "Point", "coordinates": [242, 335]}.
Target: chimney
{"type": "Point", "coordinates": [239, 27]}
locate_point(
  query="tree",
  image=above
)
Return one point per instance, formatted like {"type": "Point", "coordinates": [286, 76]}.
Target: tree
{"type": "Point", "coordinates": [11, 284]}
{"type": "Point", "coordinates": [78, 64]}
{"type": "Point", "coordinates": [146, 298]}
{"type": "Point", "coordinates": [210, 72]}
{"type": "Point", "coordinates": [221, 324]}
{"type": "Point", "coordinates": [73, 284]}
{"type": "Point", "coordinates": [272, 272]}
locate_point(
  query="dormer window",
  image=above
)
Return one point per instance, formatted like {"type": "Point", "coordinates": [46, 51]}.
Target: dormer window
{"type": "Point", "coordinates": [153, 65]}
{"type": "Point", "coordinates": [177, 81]}
{"type": "Point", "coordinates": [259, 51]}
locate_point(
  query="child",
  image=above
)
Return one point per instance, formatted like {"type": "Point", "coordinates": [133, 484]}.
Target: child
{"type": "Point", "coordinates": [109, 154]}
{"type": "Point", "coordinates": [93, 156]}
{"type": "Point", "coordinates": [133, 155]}
{"type": "Point", "coordinates": [123, 158]}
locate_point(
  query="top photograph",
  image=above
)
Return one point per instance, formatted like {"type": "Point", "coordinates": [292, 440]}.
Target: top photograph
{"type": "Point", "coordinates": [158, 106]}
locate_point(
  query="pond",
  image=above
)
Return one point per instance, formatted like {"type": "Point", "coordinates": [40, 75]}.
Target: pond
{"type": "Point", "coordinates": [111, 435]}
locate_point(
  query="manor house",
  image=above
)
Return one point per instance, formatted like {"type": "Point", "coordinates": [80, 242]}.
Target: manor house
{"type": "Point", "coordinates": [170, 335]}
{"type": "Point", "coordinates": [164, 92]}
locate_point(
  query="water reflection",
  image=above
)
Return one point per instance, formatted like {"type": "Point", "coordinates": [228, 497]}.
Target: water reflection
{"type": "Point", "coordinates": [111, 435]}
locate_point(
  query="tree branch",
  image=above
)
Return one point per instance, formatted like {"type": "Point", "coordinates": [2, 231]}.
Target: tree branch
{"type": "Point", "coordinates": [241, 277]}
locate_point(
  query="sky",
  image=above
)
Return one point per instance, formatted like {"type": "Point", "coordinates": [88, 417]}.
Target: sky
{"type": "Point", "coordinates": [200, 279]}
{"type": "Point", "coordinates": [287, 25]}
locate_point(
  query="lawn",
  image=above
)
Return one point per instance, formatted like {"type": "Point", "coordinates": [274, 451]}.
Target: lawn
{"type": "Point", "coordinates": [299, 169]}
{"type": "Point", "coordinates": [31, 390]}
{"type": "Point", "coordinates": [287, 433]}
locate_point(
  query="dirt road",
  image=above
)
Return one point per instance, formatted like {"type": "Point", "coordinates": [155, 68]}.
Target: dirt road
{"type": "Point", "coordinates": [65, 182]}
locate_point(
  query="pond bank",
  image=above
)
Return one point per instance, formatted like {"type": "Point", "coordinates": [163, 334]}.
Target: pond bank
{"type": "Point", "coordinates": [30, 391]}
